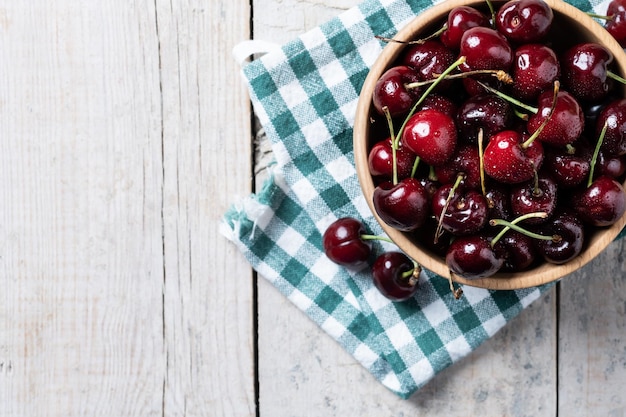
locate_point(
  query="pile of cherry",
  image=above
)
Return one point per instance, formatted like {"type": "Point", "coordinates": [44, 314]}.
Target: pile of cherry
{"type": "Point", "coordinates": [501, 150]}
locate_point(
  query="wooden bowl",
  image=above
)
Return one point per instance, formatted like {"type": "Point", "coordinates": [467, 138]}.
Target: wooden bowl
{"type": "Point", "coordinates": [577, 26]}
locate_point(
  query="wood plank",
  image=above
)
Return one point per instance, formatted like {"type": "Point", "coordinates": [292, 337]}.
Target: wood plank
{"type": "Point", "coordinates": [80, 218]}
{"type": "Point", "coordinates": [207, 165]}
{"type": "Point", "coordinates": [592, 337]}
{"type": "Point", "coordinates": [512, 374]}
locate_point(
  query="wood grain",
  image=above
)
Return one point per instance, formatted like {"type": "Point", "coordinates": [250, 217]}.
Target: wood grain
{"type": "Point", "coordinates": [120, 298]}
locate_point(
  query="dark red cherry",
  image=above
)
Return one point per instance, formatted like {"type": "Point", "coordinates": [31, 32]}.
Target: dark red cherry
{"type": "Point", "coordinates": [403, 206]}
{"type": "Point", "coordinates": [614, 116]}
{"type": "Point", "coordinates": [380, 161]}
{"type": "Point", "coordinates": [498, 202]}
{"type": "Point", "coordinates": [441, 103]}
{"type": "Point", "coordinates": [567, 169]}
{"type": "Point", "coordinates": [566, 123]}
{"type": "Point", "coordinates": [524, 21]}
{"type": "Point", "coordinates": [390, 91]}
{"type": "Point", "coordinates": [473, 257]}
{"type": "Point", "coordinates": [431, 135]}
{"type": "Point", "coordinates": [534, 198]}
{"type": "Point", "coordinates": [485, 49]}
{"type": "Point", "coordinates": [519, 251]}
{"type": "Point", "coordinates": [570, 240]}
{"type": "Point", "coordinates": [460, 19]}
{"type": "Point", "coordinates": [395, 276]}
{"type": "Point", "coordinates": [534, 70]}
{"type": "Point", "coordinates": [507, 161]}
{"type": "Point", "coordinates": [343, 244]}
{"type": "Point", "coordinates": [429, 58]}
{"type": "Point", "coordinates": [584, 71]}
{"type": "Point", "coordinates": [602, 203]}
{"type": "Point", "coordinates": [465, 160]}
{"type": "Point", "coordinates": [616, 25]}
{"type": "Point", "coordinates": [610, 165]}
{"type": "Point", "coordinates": [463, 214]}
{"type": "Point", "coordinates": [484, 111]}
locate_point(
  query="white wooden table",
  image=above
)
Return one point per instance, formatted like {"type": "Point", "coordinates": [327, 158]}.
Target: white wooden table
{"type": "Point", "coordinates": [126, 133]}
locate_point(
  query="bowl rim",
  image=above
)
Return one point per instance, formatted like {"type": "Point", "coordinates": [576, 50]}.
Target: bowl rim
{"type": "Point", "coordinates": [543, 274]}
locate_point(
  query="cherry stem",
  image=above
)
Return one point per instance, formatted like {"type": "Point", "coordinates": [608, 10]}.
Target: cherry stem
{"type": "Point", "coordinates": [536, 133]}
{"type": "Point", "coordinates": [508, 98]}
{"type": "Point", "coordinates": [600, 16]}
{"type": "Point", "coordinates": [394, 145]}
{"type": "Point", "coordinates": [596, 151]}
{"type": "Point", "coordinates": [492, 11]}
{"type": "Point", "coordinates": [376, 237]}
{"type": "Point", "coordinates": [616, 77]}
{"type": "Point", "coordinates": [412, 275]}
{"type": "Point", "coordinates": [457, 292]}
{"type": "Point", "coordinates": [459, 178]}
{"type": "Point", "coordinates": [501, 75]}
{"type": "Point", "coordinates": [513, 225]}
{"type": "Point", "coordinates": [448, 70]}
{"type": "Point", "coordinates": [481, 161]}
{"type": "Point", "coordinates": [417, 41]}
{"type": "Point", "coordinates": [415, 165]}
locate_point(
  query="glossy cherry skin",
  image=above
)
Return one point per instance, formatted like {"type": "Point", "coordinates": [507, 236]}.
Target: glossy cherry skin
{"type": "Point", "coordinates": [524, 21]}
{"type": "Point", "coordinates": [429, 59]}
{"type": "Point", "coordinates": [466, 161]}
{"type": "Point", "coordinates": [571, 232]}
{"type": "Point", "coordinates": [472, 257]}
{"type": "Point", "coordinates": [390, 91]}
{"type": "Point", "coordinates": [380, 161]}
{"type": "Point", "coordinates": [441, 103]}
{"type": "Point", "coordinates": [584, 71]}
{"type": "Point", "coordinates": [483, 111]}
{"type": "Point", "coordinates": [527, 198]}
{"type": "Point", "coordinates": [343, 245]}
{"type": "Point", "coordinates": [498, 202]}
{"type": "Point", "coordinates": [431, 135]}
{"type": "Point", "coordinates": [506, 161]}
{"type": "Point", "coordinates": [519, 251]}
{"type": "Point", "coordinates": [601, 204]}
{"type": "Point", "coordinates": [466, 212]}
{"type": "Point", "coordinates": [459, 20]}
{"type": "Point", "coordinates": [387, 275]}
{"type": "Point", "coordinates": [616, 26]}
{"type": "Point", "coordinates": [614, 115]}
{"type": "Point", "coordinates": [485, 48]}
{"type": "Point", "coordinates": [534, 70]}
{"type": "Point", "coordinates": [403, 206]}
{"type": "Point", "coordinates": [567, 169]}
{"type": "Point", "coordinates": [567, 122]}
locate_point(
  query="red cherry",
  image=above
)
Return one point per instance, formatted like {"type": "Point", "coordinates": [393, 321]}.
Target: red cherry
{"type": "Point", "coordinates": [602, 203]}
{"type": "Point", "coordinates": [431, 135]}
{"type": "Point", "coordinates": [460, 19]}
{"type": "Point", "coordinates": [616, 25]}
{"type": "Point", "coordinates": [533, 198]}
{"type": "Point", "coordinates": [403, 206]}
{"type": "Point", "coordinates": [584, 70]}
{"type": "Point", "coordinates": [380, 161]}
{"type": "Point", "coordinates": [571, 238]}
{"type": "Point", "coordinates": [464, 213]}
{"type": "Point", "coordinates": [524, 21]}
{"type": "Point", "coordinates": [390, 91]}
{"type": "Point", "coordinates": [614, 116]}
{"type": "Point", "coordinates": [473, 257]}
{"type": "Point", "coordinates": [343, 244]}
{"type": "Point", "coordinates": [507, 161]}
{"type": "Point", "coordinates": [395, 276]}
{"type": "Point", "coordinates": [485, 49]}
{"type": "Point", "coordinates": [534, 70]}
{"type": "Point", "coordinates": [566, 123]}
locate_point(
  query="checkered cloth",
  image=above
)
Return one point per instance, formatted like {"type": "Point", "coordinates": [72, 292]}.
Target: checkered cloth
{"type": "Point", "coordinates": [305, 96]}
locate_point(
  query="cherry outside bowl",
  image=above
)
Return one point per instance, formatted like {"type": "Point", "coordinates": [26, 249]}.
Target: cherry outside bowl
{"type": "Point", "coordinates": [576, 25]}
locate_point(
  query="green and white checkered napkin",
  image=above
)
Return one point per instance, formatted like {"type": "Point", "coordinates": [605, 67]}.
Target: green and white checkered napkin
{"type": "Point", "coordinates": [305, 96]}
